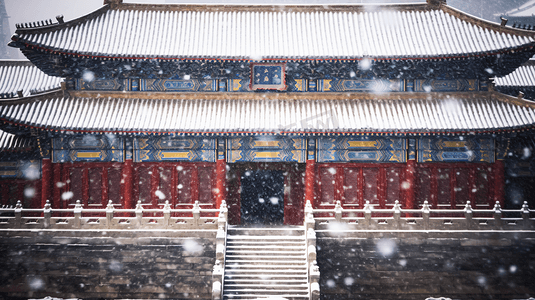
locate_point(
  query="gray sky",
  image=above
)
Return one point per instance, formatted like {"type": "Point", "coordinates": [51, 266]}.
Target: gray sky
{"type": "Point", "coordinates": [22, 11]}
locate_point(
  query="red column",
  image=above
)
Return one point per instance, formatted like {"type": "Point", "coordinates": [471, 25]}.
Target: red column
{"type": "Point", "coordinates": [310, 174]}
{"type": "Point", "coordinates": [194, 184]}
{"type": "Point", "coordinates": [46, 176]}
{"type": "Point", "coordinates": [128, 173]}
{"type": "Point", "coordinates": [221, 177]}
{"type": "Point", "coordinates": [104, 186]}
{"type": "Point", "coordinates": [409, 184]}
{"type": "Point", "coordinates": [57, 187]}
{"type": "Point", "coordinates": [499, 182]}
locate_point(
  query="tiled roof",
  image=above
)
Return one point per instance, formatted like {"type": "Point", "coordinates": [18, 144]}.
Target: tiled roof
{"type": "Point", "coordinates": [419, 113]}
{"type": "Point", "coordinates": [15, 143]}
{"type": "Point", "coordinates": [525, 10]}
{"type": "Point", "coordinates": [22, 75]}
{"type": "Point", "coordinates": [523, 76]}
{"type": "Point", "coordinates": [242, 32]}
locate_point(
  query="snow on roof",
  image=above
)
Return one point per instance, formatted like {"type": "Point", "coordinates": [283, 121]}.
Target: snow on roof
{"type": "Point", "coordinates": [525, 10]}
{"type": "Point", "coordinates": [256, 32]}
{"type": "Point", "coordinates": [523, 76]}
{"type": "Point", "coordinates": [22, 75]}
{"type": "Point", "coordinates": [207, 114]}
{"type": "Point", "coordinates": [14, 143]}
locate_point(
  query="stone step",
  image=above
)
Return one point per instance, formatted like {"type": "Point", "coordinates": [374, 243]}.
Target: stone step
{"type": "Point", "coordinates": [297, 259]}
{"type": "Point", "coordinates": [249, 242]}
{"type": "Point", "coordinates": [267, 231]}
{"type": "Point", "coordinates": [289, 280]}
{"type": "Point", "coordinates": [265, 276]}
{"type": "Point", "coordinates": [252, 262]}
{"type": "Point", "coordinates": [261, 247]}
{"type": "Point", "coordinates": [266, 263]}
{"type": "Point", "coordinates": [270, 239]}
{"type": "Point", "coordinates": [267, 250]}
{"type": "Point", "coordinates": [266, 297]}
{"type": "Point", "coordinates": [266, 291]}
{"type": "Point", "coordinates": [278, 249]}
{"type": "Point", "coordinates": [271, 252]}
{"type": "Point", "coordinates": [265, 272]}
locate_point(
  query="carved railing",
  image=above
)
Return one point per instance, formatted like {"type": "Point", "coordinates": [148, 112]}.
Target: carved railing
{"type": "Point", "coordinates": [426, 218]}
{"type": "Point", "coordinates": [218, 274]}
{"type": "Point", "coordinates": [313, 269]}
{"type": "Point", "coordinates": [111, 218]}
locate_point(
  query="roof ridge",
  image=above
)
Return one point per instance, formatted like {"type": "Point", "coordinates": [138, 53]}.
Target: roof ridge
{"type": "Point", "coordinates": [485, 23]}
{"type": "Point", "coordinates": [42, 26]}
{"type": "Point", "coordinates": [345, 7]}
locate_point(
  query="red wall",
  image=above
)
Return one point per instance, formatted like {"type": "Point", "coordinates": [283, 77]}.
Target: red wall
{"type": "Point", "coordinates": [27, 191]}
{"type": "Point", "coordinates": [153, 183]}
{"type": "Point", "coordinates": [446, 185]}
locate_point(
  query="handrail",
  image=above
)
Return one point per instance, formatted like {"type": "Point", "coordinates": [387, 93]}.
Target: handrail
{"type": "Point", "coordinates": [218, 274]}
{"type": "Point", "coordinates": [312, 269]}
{"type": "Point", "coordinates": [108, 218]}
{"type": "Point", "coordinates": [424, 218]}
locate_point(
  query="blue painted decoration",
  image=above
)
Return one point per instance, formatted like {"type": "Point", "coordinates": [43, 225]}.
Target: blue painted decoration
{"type": "Point", "coordinates": [360, 85]}
{"type": "Point", "coordinates": [103, 148]}
{"type": "Point", "coordinates": [362, 149]}
{"type": "Point", "coordinates": [456, 149]}
{"type": "Point", "coordinates": [311, 149]}
{"type": "Point", "coordinates": [174, 149]}
{"type": "Point", "coordinates": [412, 149]}
{"type": "Point", "coordinates": [23, 169]}
{"type": "Point", "coordinates": [520, 168]}
{"type": "Point", "coordinates": [174, 85]}
{"type": "Point", "coordinates": [456, 85]}
{"type": "Point", "coordinates": [102, 84]}
{"type": "Point", "coordinates": [266, 149]}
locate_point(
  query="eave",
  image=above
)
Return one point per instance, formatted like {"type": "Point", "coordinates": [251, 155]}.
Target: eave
{"type": "Point", "coordinates": [293, 114]}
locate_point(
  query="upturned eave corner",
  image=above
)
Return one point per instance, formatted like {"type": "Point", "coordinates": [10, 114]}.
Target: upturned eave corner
{"type": "Point", "coordinates": [436, 4]}
{"type": "Point", "coordinates": [471, 19]}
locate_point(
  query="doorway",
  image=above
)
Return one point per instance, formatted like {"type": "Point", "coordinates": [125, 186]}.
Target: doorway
{"type": "Point", "coordinates": [262, 197]}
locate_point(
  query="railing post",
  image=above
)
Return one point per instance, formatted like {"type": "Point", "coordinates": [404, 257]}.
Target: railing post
{"type": "Point", "coordinates": [197, 214]}
{"type": "Point", "coordinates": [368, 213]}
{"type": "Point", "coordinates": [139, 214]}
{"type": "Point", "coordinates": [338, 211]}
{"type": "Point", "coordinates": [525, 215]}
{"type": "Point", "coordinates": [77, 214]}
{"type": "Point", "coordinates": [166, 214]}
{"type": "Point", "coordinates": [217, 281]}
{"type": "Point", "coordinates": [309, 216]}
{"type": "Point", "coordinates": [468, 215]}
{"type": "Point", "coordinates": [18, 214]}
{"type": "Point", "coordinates": [109, 214]}
{"type": "Point", "coordinates": [498, 215]}
{"type": "Point", "coordinates": [314, 276]}
{"type": "Point", "coordinates": [425, 214]}
{"type": "Point", "coordinates": [223, 214]}
{"type": "Point", "coordinates": [46, 214]}
{"type": "Point", "coordinates": [221, 236]}
{"type": "Point", "coordinates": [311, 244]}
{"type": "Point", "coordinates": [221, 241]}
{"type": "Point", "coordinates": [397, 214]}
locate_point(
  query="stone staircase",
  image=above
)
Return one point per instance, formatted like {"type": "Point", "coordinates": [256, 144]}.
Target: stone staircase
{"type": "Point", "coordinates": [266, 263]}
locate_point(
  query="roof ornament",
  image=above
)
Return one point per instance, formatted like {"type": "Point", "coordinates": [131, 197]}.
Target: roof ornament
{"type": "Point", "coordinates": [504, 21]}
{"type": "Point", "coordinates": [60, 19]}
{"type": "Point", "coordinates": [436, 3]}
{"type": "Point", "coordinates": [113, 3]}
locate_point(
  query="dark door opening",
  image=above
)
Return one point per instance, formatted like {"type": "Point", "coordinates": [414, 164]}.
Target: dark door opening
{"type": "Point", "coordinates": [262, 197]}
